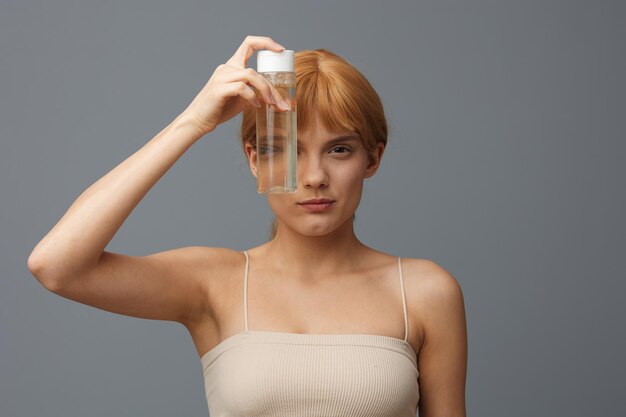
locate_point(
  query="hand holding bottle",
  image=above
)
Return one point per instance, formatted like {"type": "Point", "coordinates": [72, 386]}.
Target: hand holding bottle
{"type": "Point", "coordinates": [233, 87]}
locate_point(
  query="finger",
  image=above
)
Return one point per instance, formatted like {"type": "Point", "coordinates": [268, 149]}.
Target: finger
{"type": "Point", "coordinates": [251, 44]}
{"type": "Point", "coordinates": [259, 83]}
{"type": "Point", "coordinates": [242, 90]}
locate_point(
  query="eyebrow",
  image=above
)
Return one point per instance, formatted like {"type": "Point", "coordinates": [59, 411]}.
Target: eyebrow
{"type": "Point", "coordinates": [352, 137]}
{"type": "Point", "coordinates": [344, 138]}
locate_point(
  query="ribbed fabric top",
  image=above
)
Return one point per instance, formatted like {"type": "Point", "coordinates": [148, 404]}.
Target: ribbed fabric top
{"type": "Point", "coordinates": [258, 373]}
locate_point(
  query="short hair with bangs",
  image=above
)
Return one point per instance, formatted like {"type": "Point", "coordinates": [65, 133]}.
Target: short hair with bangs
{"type": "Point", "coordinates": [333, 90]}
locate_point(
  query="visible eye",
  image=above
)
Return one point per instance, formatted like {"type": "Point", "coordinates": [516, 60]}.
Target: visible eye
{"type": "Point", "coordinates": [264, 150]}
{"type": "Point", "coordinates": [342, 147]}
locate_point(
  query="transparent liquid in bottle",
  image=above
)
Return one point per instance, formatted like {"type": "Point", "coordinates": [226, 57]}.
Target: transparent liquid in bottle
{"type": "Point", "coordinates": [276, 139]}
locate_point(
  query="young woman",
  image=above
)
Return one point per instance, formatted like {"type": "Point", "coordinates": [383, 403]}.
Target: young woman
{"type": "Point", "coordinates": [313, 322]}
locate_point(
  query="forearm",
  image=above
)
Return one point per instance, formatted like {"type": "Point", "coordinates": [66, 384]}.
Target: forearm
{"type": "Point", "coordinates": [77, 241]}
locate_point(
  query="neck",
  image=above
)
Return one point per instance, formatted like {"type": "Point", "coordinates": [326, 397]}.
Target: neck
{"type": "Point", "coordinates": [314, 257]}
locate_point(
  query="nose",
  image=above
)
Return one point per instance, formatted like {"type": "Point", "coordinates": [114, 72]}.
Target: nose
{"type": "Point", "coordinates": [312, 172]}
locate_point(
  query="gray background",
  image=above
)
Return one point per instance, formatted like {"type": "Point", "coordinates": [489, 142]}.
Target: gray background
{"type": "Point", "coordinates": [504, 165]}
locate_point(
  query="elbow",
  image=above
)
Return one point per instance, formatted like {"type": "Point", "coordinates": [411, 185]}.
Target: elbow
{"type": "Point", "coordinates": [38, 269]}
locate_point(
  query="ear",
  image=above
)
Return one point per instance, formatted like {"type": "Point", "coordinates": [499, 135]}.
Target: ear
{"type": "Point", "coordinates": [374, 160]}
{"type": "Point", "coordinates": [251, 155]}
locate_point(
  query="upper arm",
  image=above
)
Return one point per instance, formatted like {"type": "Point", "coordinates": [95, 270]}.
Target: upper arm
{"type": "Point", "coordinates": [442, 360]}
{"type": "Point", "coordinates": [170, 285]}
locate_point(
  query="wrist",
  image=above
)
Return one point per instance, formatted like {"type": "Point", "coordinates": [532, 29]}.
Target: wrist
{"type": "Point", "coordinates": [184, 122]}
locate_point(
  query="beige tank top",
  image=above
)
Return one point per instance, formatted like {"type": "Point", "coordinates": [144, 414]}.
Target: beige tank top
{"type": "Point", "coordinates": [258, 373]}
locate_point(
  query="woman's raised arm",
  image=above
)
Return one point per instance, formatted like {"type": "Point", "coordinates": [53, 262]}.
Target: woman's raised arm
{"type": "Point", "coordinates": [71, 261]}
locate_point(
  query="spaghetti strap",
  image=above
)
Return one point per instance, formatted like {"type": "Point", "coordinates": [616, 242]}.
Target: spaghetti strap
{"type": "Point", "coordinates": [303, 373]}
{"type": "Point", "coordinates": [245, 292]}
{"type": "Point", "coordinates": [406, 322]}
{"type": "Point", "coordinates": [245, 296]}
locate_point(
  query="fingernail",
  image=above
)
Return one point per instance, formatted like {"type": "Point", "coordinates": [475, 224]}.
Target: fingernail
{"type": "Point", "coordinates": [285, 104]}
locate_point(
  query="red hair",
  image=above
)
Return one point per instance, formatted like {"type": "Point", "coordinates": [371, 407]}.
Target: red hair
{"type": "Point", "coordinates": [332, 89]}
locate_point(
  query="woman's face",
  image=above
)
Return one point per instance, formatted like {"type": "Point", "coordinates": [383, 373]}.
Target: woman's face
{"type": "Point", "coordinates": [330, 165]}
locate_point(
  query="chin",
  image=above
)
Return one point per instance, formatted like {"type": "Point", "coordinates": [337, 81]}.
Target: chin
{"type": "Point", "coordinates": [315, 230]}
{"type": "Point", "coordinates": [320, 226]}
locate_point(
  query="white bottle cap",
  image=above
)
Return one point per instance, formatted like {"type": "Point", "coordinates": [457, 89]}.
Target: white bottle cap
{"type": "Point", "coordinates": [270, 61]}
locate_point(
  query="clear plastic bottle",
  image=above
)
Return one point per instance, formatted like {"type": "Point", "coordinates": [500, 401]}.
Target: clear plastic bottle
{"type": "Point", "coordinates": [276, 131]}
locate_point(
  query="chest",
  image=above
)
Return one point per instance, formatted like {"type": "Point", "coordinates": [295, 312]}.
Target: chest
{"type": "Point", "coordinates": [369, 303]}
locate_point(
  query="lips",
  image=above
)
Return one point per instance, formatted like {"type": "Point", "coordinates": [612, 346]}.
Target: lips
{"type": "Point", "coordinates": [317, 205]}
{"type": "Point", "coordinates": [317, 201]}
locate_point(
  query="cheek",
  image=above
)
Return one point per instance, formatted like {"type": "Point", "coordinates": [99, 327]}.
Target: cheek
{"type": "Point", "coordinates": [349, 175]}
{"type": "Point", "coordinates": [279, 204]}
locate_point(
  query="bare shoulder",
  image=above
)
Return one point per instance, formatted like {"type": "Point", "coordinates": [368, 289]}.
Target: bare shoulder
{"type": "Point", "coordinates": [215, 257]}
{"type": "Point", "coordinates": [213, 262]}
{"type": "Point", "coordinates": [428, 278]}
{"type": "Point", "coordinates": [442, 361]}
{"type": "Point", "coordinates": [203, 262]}
{"type": "Point", "coordinates": [433, 295]}
{"type": "Point", "coordinates": [207, 266]}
